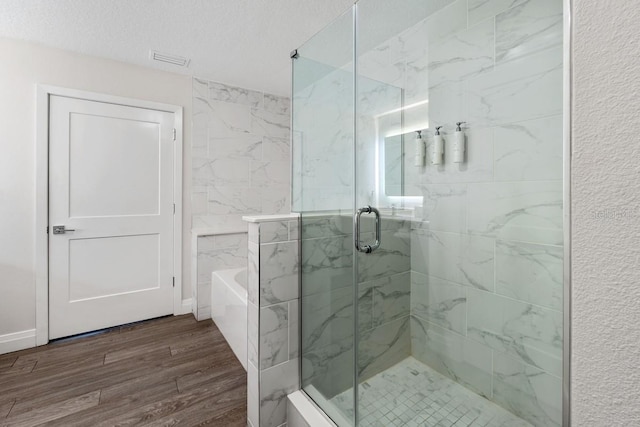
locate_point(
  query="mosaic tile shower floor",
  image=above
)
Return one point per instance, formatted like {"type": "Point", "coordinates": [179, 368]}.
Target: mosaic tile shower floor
{"type": "Point", "coordinates": [411, 394]}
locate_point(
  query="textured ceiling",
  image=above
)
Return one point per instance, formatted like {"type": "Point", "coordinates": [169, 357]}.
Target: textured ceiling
{"type": "Point", "coordinates": [240, 42]}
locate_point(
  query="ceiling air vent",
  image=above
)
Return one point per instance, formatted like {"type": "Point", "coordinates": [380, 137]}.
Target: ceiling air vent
{"type": "Point", "coordinates": [169, 59]}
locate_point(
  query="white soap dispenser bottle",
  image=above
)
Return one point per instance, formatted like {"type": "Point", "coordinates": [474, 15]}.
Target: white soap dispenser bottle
{"type": "Point", "coordinates": [438, 147]}
{"type": "Point", "coordinates": [421, 150]}
{"type": "Point", "coordinates": [458, 144]}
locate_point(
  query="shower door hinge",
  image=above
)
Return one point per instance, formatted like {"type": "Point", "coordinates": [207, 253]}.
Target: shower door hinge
{"type": "Point", "coordinates": [174, 208]}
{"type": "Point", "coordinates": [174, 134]}
{"type": "Point", "coordinates": [174, 282]}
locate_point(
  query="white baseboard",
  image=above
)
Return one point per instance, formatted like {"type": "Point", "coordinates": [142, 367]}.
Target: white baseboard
{"type": "Point", "coordinates": [187, 306]}
{"type": "Point", "coordinates": [17, 341]}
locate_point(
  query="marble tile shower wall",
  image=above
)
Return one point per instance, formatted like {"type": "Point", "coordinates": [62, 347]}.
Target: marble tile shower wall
{"type": "Point", "coordinates": [241, 155]}
{"type": "Point", "coordinates": [327, 302]}
{"type": "Point", "coordinates": [487, 257]}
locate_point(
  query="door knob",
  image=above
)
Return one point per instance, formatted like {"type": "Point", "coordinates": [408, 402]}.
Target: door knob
{"type": "Point", "coordinates": [61, 229]}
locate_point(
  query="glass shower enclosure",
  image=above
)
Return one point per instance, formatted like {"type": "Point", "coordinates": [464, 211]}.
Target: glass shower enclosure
{"type": "Point", "coordinates": [432, 281]}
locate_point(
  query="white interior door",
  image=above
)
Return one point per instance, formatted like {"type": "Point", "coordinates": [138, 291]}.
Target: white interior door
{"type": "Point", "coordinates": [111, 182]}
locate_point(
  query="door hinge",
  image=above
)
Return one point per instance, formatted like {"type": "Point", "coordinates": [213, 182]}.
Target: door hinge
{"type": "Point", "coordinates": [174, 134]}
{"type": "Point", "coordinates": [174, 282]}
{"type": "Point", "coordinates": [174, 208]}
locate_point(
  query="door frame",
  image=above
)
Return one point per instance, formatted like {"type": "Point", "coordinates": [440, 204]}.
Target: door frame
{"type": "Point", "coordinates": [44, 92]}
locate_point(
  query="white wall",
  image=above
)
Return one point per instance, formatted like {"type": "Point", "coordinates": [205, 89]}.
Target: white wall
{"type": "Point", "coordinates": [23, 66]}
{"type": "Point", "coordinates": [606, 183]}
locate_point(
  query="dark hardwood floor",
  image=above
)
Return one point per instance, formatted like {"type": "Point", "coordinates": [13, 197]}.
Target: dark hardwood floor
{"type": "Point", "coordinates": [163, 372]}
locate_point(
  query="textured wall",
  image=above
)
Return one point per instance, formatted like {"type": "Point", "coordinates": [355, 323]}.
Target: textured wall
{"type": "Point", "coordinates": [605, 215]}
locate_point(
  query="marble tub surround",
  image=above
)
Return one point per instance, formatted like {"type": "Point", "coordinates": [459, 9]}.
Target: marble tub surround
{"type": "Point", "coordinates": [241, 154]}
{"type": "Point", "coordinates": [214, 249]}
{"type": "Point", "coordinates": [273, 316]}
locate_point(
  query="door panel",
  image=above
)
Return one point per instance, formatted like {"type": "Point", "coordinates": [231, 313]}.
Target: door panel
{"type": "Point", "coordinates": [134, 167]}
{"type": "Point", "coordinates": [111, 186]}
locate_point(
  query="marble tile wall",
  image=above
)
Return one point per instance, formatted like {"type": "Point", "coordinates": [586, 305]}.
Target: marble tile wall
{"type": "Point", "coordinates": [486, 246]}
{"type": "Point", "coordinates": [273, 318]}
{"type": "Point", "coordinates": [241, 156]}
{"type": "Point", "coordinates": [241, 166]}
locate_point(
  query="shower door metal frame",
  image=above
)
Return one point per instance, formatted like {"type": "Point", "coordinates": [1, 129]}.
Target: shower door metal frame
{"type": "Point", "coordinates": [566, 209]}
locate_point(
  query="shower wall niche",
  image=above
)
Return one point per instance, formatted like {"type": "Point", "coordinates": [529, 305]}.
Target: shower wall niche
{"type": "Point", "coordinates": [458, 316]}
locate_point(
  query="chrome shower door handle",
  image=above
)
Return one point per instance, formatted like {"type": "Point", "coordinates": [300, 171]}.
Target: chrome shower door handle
{"type": "Point", "coordinates": [367, 249]}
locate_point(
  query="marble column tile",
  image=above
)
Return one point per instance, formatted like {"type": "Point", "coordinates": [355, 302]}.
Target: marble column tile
{"type": "Point", "coordinates": [465, 54]}
{"type": "Point", "coordinates": [234, 200]}
{"type": "Point", "coordinates": [253, 273]}
{"type": "Point", "coordinates": [439, 302]}
{"type": "Point", "coordinates": [274, 231]}
{"type": "Point", "coordinates": [227, 119]}
{"type": "Point", "coordinates": [383, 346]}
{"type": "Point", "coordinates": [276, 149]}
{"type": "Point", "coordinates": [523, 89]}
{"type": "Point", "coordinates": [294, 230]}
{"type": "Point", "coordinates": [529, 333]}
{"type": "Point", "coordinates": [529, 151]}
{"type": "Point", "coordinates": [526, 211]}
{"type": "Point", "coordinates": [253, 395]}
{"type": "Point", "coordinates": [266, 123]}
{"type": "Point", "coordinates": [294, 329]}
{"type": "Point", "coordinates": [527, 391]}
{"type": "Point", "coordinates": [253, 334]}
{"type": "Point", "coordinates": [464, 361]}
{"type": "Point", "coordinates": [278, 272]}
{"type": "Point", "coordinates": [276, 104]}
{"type": "Point", "coordinates": [254, 232]}
{"type": "Point", "coordinates": [238, 146]}
{"type": "Point", "coordinates": [460, 258]}
{"type": "Point", "coordinates": [391, 298]}
{"type": "Point", "coordinates": [530, 27]}
{"type": "Point", "coordinates": [530, 273]}
{"type": "Point", "coordinates": [274, 335]}
{"type": "Point", "coordinates": [275, 384]}
{"type": "Point", "coordinates": [235, 95]}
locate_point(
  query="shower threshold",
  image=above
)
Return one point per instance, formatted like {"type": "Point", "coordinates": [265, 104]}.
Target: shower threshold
{"type": "Point", "coordinates": [412, 394]}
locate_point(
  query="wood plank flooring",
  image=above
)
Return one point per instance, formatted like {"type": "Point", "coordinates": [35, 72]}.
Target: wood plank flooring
{"type": "Point", "coordinates": [163, 372]}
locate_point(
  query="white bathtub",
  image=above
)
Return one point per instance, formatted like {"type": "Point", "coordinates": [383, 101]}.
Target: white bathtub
{"type": "Point", "coordinates": [229, 308]}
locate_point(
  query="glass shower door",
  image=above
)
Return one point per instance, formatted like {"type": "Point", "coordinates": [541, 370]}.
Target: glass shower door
{"type": "Point", "coordinates": [323, 150]}
{"type": "Point", "coordinates": [444, 305]}
{"type": "Point", "coordinates": [459, 311]}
